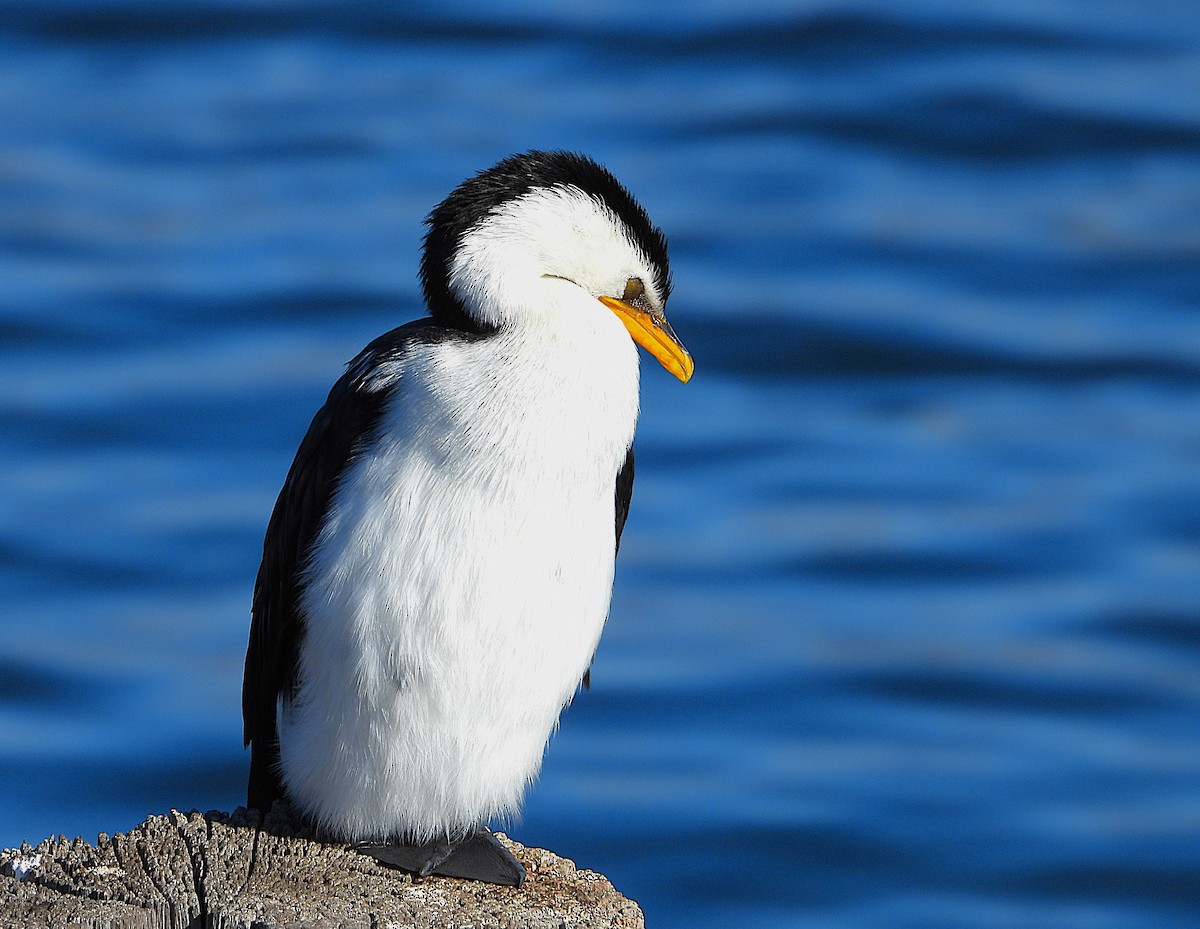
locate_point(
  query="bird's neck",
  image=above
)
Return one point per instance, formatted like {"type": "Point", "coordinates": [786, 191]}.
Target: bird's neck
{"type": "Point", "coordinates": [567, 394]}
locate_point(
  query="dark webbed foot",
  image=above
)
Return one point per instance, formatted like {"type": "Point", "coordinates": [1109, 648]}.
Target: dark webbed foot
{"type": "Point", "coordinates": [477, 857]}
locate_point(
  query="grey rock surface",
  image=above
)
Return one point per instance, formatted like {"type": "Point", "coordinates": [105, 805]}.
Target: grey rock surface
{"type": "Point", "coordinates": [216, 871]}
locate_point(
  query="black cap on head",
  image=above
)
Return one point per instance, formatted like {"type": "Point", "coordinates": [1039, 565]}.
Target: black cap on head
{"type": "Point", "coordinates": [475, 198]}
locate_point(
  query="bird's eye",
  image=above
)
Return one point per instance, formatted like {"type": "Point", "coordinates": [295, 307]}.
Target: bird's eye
{"type": "Point", "coordinates": [634, 288]}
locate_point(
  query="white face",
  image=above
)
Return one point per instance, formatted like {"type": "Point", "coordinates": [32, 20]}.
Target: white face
{"type": "Point", "coordinates": [502, 265]}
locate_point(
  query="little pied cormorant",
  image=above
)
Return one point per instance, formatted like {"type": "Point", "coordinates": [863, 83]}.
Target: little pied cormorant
{"type": "Point", "coordinates": [439, 563]}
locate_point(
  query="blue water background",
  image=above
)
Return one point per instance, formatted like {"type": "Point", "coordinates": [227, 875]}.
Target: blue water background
{"type": "Point", "coordinates": [905, 631]}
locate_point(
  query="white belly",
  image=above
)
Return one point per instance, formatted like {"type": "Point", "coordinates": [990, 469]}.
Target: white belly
{"type": "Point", "coordinates": [455, 599]}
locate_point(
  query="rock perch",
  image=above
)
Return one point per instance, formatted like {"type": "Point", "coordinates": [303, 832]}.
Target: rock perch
{"type": "Point", "coordinates": [216, 871]}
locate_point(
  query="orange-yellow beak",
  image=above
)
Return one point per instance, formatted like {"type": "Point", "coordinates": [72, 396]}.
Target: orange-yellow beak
{"type": "Point", "coordinates": [652, 332]}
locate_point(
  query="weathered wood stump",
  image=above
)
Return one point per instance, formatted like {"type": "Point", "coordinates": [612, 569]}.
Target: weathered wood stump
{"type": "Point", "coordinates": [215, 871]}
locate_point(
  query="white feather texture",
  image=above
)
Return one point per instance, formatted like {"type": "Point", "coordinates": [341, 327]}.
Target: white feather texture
{"type": "Point", "coordinates": [457, 591]}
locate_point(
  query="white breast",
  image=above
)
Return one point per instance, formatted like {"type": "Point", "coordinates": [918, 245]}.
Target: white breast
{"type": "Point", "coordinates": [458, 589]}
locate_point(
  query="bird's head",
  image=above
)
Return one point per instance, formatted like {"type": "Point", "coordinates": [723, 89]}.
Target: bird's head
{"type": "Point", "coordinates": [506, 242]}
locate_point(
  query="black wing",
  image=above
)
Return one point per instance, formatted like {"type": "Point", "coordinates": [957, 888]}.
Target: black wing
{"type": "Point", "coordinates": [624, 493]}
{"type": "Point", "coordinates": [339, 432]}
